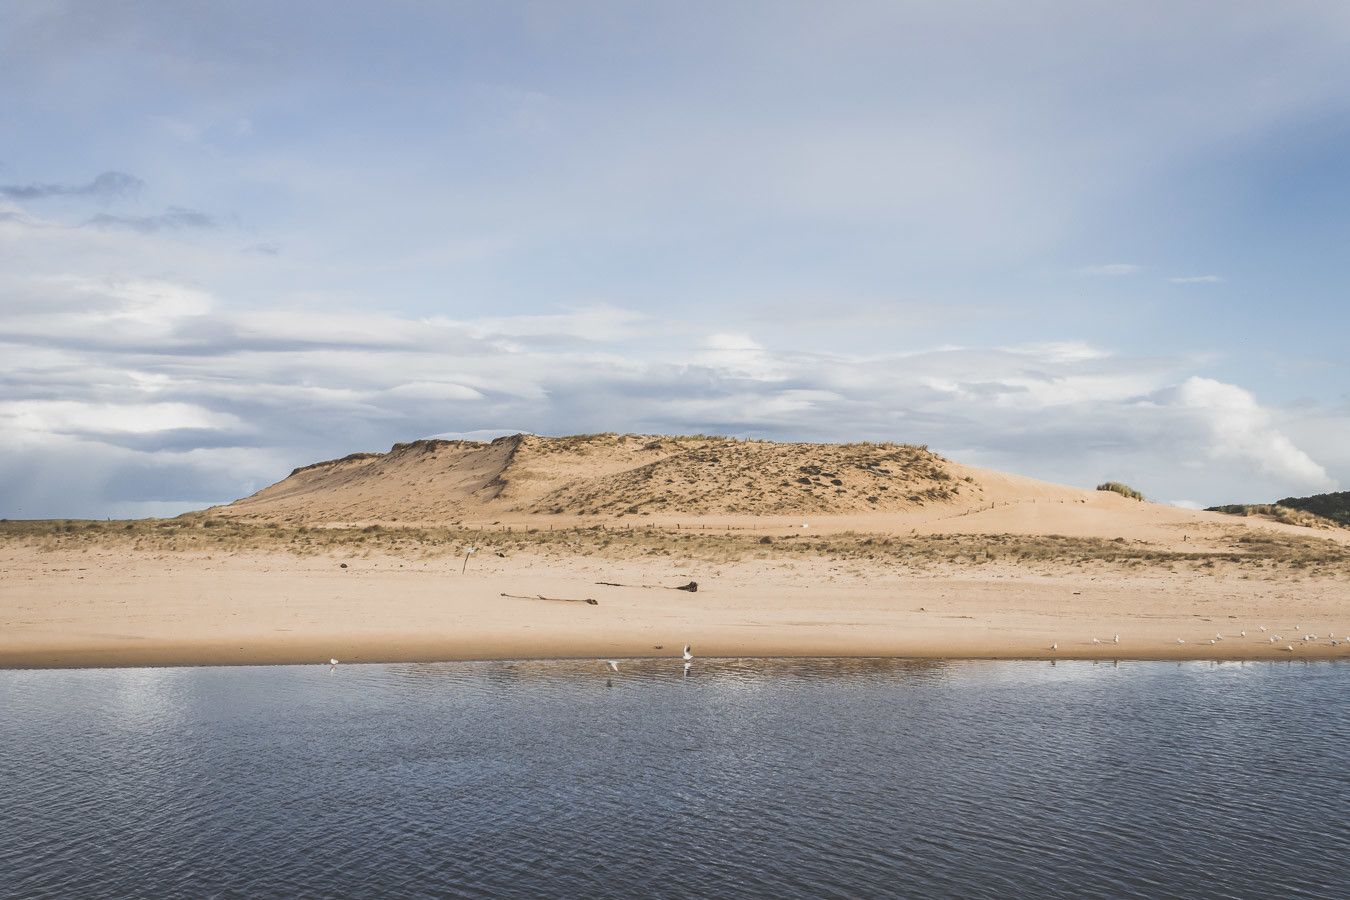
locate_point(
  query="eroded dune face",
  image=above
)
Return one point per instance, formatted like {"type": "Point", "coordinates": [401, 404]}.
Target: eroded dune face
{"type": "Point", "coordinates": [714, 481]}
{"type": "Point", "coordinates": [612, 476]}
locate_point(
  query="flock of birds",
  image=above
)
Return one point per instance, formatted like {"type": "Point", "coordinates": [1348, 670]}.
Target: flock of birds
{"type": "Point", "coordinates": [1271, 638]}
{"type": "Point", "coordinates": [687, 656]}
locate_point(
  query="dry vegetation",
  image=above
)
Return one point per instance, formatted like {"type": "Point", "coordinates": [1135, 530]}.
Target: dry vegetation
{"type": "Point", "coordinates": [700, 475]}
{"type": "Point", "coordinates": [1278, 513]}
{"type": "Point", "coordinates": [1241, 549]}
{"type": "Point", "coordinates": [1123, 490]}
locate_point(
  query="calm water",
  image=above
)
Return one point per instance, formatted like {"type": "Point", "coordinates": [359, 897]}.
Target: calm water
{"type": "Point", "coordinates": [749, 778]}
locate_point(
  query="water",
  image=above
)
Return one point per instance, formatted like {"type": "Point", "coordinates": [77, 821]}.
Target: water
{"type": "Point", "coordinates": [749, 778]}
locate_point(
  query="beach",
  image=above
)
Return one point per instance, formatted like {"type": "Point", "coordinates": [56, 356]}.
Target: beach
{"type": "Point", "coordinates": [97, 600]}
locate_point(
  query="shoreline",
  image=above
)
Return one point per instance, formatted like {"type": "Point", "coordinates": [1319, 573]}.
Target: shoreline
{"type": "Point", "coordinates": [709, 660]}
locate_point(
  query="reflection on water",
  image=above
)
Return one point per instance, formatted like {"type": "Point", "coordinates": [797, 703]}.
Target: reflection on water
{"type": "Point", "coordinates": [748, 777]}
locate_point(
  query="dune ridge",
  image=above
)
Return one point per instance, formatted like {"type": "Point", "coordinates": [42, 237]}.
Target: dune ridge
{"type": "Point", "coordinates": [610, 475]}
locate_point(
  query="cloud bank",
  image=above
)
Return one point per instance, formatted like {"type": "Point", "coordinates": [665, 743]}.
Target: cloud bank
{"type": "Point", "coordinates": [141, 394]}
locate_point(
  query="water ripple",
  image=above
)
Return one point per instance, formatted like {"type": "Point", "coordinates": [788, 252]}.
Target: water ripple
{"type": "Point", "coordinates": [788, 778]}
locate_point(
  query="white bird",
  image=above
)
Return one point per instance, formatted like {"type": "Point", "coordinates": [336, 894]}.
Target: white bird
{"type": "Point", "coordinates": [1290, 649]}
{"type": "Point", "coordinates": [1298, 628]}
{"type": "Point", "coordinates": [332, 662]}
{"type": "Point", "coordinates": [1242, 634]}
{"type": "Point", "coordinates": [1211, 640]}
{"type": "Point", "coordinates": [1181, 640]}
{"type": "Point", "coordinates": [1277, 638]}
{"type": "Point", "coordinates": [687, 655]}
{"type": "Point", "coordinates": [1095, 641]}
{"type": "Point", "coordinates": [1262, 627]}
{"type": "Point", "coordinates": [1217, 637]}
{"type": "Point", "coordinates": [1116, 639]}
{"type": "Point", "coordinates": [1272, 640]}
{"type": "Point", "coordinates": [1054, 646]}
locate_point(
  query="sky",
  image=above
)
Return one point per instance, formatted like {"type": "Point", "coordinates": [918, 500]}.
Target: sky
{"type": "Point", "coordinates": [1078, 241]}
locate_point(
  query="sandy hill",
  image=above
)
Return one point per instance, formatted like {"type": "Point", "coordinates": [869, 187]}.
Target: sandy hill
{"type": "Point", "coordinates": [612, 476]}
{"type": "Point", "coordinates": [715, 481]}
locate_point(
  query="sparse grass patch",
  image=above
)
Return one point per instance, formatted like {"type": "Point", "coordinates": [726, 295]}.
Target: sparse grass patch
{"type": "Point", "coordinates": [1123, 490]}
{"type": "Point", "coordinates": [1246, 551]}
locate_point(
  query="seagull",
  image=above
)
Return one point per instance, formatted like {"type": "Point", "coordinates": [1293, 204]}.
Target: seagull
{"type": "Point", "coordinates": [1277, 638]}
{"type": "Point", "coordinates": [1116, 639]}
{"type": "Point", "coordinates": [1290, 649]}
{"type": "Point", "coordinates": [1217, 637]}
{"type": "Point", "coordinates": [687, 655]}
{"type": "Point", "coordinates": [613, 664]}
{"type": "Point", "coordinates": [1181, 640]}
{"type": "Point", "coordinates": [1054, 646]}
{"type": "Point", "coordinates": [332, 662]}
{"type": "Point", "coordinates": [1211, 640]}
{"type": "Point", "coordinates": [1262, 627]}
{"type": "Point", "coordinates": [1242, 634]}
{"type": "Point", "coordinates": [1095, 641]}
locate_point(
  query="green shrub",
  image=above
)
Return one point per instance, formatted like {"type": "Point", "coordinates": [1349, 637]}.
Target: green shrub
{"type": "Point", "coordinates": [1123, 490]}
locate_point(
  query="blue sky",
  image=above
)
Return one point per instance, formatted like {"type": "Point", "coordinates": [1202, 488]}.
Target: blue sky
{"type": "Point", "coordinates": [1078, 241]}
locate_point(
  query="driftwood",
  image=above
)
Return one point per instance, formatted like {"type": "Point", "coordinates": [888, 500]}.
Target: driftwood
{"type": "Point", "coordinates": [591, 601]}
{"type": "Point", "coordinates": [691, 587]}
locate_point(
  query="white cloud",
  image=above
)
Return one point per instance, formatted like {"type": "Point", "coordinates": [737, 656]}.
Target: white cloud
{"type": "Point", "coordinates": [1241, 430]}
{"type": "Point", "coordinates": [434, 390]}
{"type": "Point", "coordinates": [79, 417]}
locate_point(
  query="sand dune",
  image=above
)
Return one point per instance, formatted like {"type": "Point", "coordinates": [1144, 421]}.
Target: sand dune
{"type": "Point", "coordinates": [799, 549]}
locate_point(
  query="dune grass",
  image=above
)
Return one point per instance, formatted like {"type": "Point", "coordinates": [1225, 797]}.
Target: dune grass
{"type": "Point", "coordinates": [1241, 548]}
{"type": "Point", "coordinates": [1123, 490]}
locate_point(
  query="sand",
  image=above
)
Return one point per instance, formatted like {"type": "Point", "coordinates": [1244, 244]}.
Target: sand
{"type": "Point", "coordinates": [111, 608]}
{"type": "Point", "coordinates": [799, 550]}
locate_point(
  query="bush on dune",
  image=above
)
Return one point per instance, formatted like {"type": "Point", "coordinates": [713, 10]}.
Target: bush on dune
{"type": "Point", "coordinates": [1123, 489]}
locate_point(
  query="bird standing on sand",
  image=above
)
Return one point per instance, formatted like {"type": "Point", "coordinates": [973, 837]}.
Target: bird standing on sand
{"type": "Point", "coordinates": [332, 662]}
{"type": "Point", "coordinates": [687, 655]}
{"type": "Point", "coordinates": [1096, 641]}
{"type": "Point", "coordinates": [1181, 640]}
{"type": "Point", "coordinates": [1262, 627]}
{"type": "Point", "coordinates": [1116, 639]}
{"type": "Point", "coordinates": [1054, 646]}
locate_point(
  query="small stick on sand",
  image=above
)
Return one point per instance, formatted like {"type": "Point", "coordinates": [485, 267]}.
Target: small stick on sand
{"type": "Point", "coordinates": [691, 587]}
{"type": "Point", "coordinates": [589, 600]}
